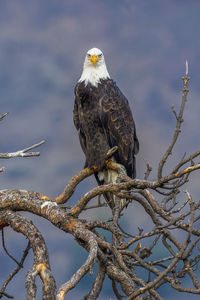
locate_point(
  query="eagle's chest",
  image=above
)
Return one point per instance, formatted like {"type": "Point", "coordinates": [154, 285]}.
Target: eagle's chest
{"type": "Point", "coordinates": [88, 110]}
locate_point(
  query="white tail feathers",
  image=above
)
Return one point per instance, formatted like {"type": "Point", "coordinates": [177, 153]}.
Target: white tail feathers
{"type": "Point", "coordinates": [108, 176]}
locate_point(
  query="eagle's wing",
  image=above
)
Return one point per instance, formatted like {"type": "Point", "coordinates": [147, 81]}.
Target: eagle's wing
{"type": "Point", "coordinates": [119, 126]}
{"type": "Point", "coordinates": [78, 127]}
{"type": "Point", "coordinates": [75, 115]}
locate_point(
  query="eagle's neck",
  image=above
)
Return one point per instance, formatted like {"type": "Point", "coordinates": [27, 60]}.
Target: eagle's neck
{"type": "Point", "coordinates": [93, 74]}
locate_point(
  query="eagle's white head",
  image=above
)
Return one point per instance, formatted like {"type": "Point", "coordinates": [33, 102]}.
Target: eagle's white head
{"type": "Point", "coordinates": [94, 68]}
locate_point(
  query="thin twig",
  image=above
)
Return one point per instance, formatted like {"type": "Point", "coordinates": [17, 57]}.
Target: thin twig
{"type": "Point", "coordinates": [3, 116]}
{"type": "Point", "coordinates": [97, 284]}
{"type": "Point", "coordinates": [179, 120]}
{"type": "Point", "coordinates": [82, 270]}
{"type": "Point", "coordinates": [20, 265]}
{"type": "Point", "coordinates": [4, 247]}
{"type": "Point", "coordinates": [22, 153]}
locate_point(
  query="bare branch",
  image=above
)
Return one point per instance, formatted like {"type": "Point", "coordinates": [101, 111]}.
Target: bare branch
{"type": "Point", "coordinates": [30, 284]}
{"type": "Point", "coordinates": [98, 283]}
{"type": "Point", "coordinates": [186, 68]}
{"type": "Point", "coordinates": [3, 116]}
{"type": "Point", "coordinates": [22, 153]}
{"type": "Point", "coordinates": [179, 119]}
{"type": "Point", "coordinates": [163, 273]}
{"type": "Point", "coordinates": [92, 244]}
{"type": "Point", "coordinates": [20, 224]}
{"type": "Point", "coordinates": [148, 171]}
{"type": "Point", "coordinates": [4, 247]}
{"type": "Point", "coordinates": [71, 186]}
{"type": "Point", "coordinates": [172, 227]}
{"type": "Point", "coordinates": [20, 265]}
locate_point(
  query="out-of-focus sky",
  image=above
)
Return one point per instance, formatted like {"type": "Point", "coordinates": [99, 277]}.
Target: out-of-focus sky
{"type": "Point", "coordinates": [42, 48]}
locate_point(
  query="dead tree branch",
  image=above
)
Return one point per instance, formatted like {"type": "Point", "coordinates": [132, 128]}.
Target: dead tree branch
{"type": "Point", "coordinates": [41, 260]}
{"type": "Point", "coordinates": [179, 120]}
{"type": "Point", "coordinates": [19, 266]}
{"type": "Point", "coordinates": [131, 261]}
{"type": "Point", "coordinates": [23, 152]}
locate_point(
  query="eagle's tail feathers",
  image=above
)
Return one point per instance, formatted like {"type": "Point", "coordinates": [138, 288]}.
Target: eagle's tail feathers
{"type": "Point", "coordinates": [108, 176]}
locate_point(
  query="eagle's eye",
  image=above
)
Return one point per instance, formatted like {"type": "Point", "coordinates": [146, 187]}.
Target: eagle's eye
{"type": "Point", "coordinates": [100, 55]}
{"type": "Point", "coordinates": [88, 55]}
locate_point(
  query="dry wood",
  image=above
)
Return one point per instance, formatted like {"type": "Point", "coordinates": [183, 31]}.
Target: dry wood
{"type": "Point", "coordinates": [122, 256]}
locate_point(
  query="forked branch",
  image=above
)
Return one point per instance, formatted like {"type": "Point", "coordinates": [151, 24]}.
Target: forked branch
{"type": "Point", "coordinates": [179, 120]}
{"type": "Point", "coordinates": [130, 260]}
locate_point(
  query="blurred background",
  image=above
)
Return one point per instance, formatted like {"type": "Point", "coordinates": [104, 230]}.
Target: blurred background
{"type": "Point", "coordinates": [42, 49]}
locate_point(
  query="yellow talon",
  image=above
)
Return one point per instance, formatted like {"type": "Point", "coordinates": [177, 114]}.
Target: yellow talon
{"type": "Point", "coordinates": [110, 165]}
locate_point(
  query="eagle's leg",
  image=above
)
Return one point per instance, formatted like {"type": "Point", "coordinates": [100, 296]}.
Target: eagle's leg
{"type": "Point", "coordinates": [119, 168]}
{"type": "Point", "coordinates": [111, 165]}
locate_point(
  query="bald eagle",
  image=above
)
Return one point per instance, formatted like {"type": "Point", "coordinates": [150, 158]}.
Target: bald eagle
{"type": "Point", "coordinates": [103, 119]}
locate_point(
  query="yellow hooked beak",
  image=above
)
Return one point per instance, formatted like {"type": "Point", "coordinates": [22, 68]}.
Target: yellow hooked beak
{"type": "Point", "coordinates": [94, 59]}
